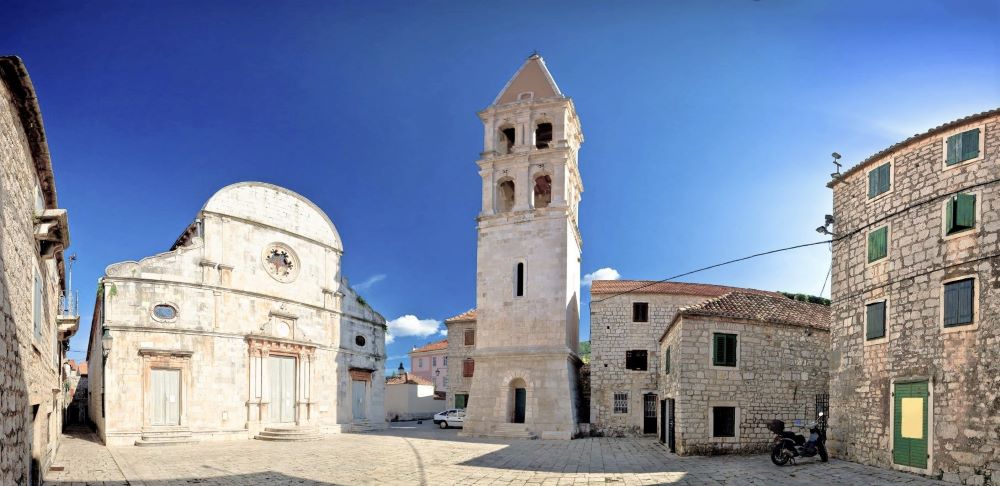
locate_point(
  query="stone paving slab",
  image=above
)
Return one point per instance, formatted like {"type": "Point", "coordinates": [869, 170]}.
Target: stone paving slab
{"type": "Point", "coordinates": [422, 454]}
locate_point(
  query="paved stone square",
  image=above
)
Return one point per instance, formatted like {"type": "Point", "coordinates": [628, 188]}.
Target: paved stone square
{"type": "Point", "coordinates": [409, 453]}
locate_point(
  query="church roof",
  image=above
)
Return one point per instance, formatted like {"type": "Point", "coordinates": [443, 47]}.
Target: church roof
{"type": "Point", "coordinates": [435, 346]}
{"type": "Point", "coordinates": [533, 77]}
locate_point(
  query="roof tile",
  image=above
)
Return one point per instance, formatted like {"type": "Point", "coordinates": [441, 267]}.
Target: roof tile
{"type": "Point", "coordinates": [763, 308]}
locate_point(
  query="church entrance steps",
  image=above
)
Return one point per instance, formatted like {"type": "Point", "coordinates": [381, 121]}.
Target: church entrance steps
{"type": "Point", "coordinates": [289, 433]}
{"type": "Point", "coordinates": [362, 425]}
{"type": "Point", "coordinates": [512, 431]}
{"type": "Point", "coordinates": [165, 436]}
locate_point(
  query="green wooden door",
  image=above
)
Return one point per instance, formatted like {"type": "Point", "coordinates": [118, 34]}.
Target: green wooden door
{"type": "Point", "coordinates": [910, 424]}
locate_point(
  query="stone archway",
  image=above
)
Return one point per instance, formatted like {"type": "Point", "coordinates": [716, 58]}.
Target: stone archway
{"type": "Point", "coordinates": [517, 401]}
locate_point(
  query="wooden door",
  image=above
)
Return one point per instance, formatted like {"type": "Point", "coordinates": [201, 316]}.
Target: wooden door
{"type": "Point", "coordinates": [165, 388]}
{"type": "Point", "coordinates": [671, 424]}
{"type": "Point", "coordinates": [649, 413]}
{"type": "Point", "coordinates": [520, 396]}
{"type": "Point", "coordinates": [663, 421]}
{"type": "Point", "coordinates": [910, 409]}
{"type": "Point", "coordinates": [281, 371]}
{"type": "Point", "coordinates": [358, 391]}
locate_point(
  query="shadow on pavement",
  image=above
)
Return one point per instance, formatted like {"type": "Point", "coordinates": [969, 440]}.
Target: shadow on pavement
{"type": "Point", "coordinates": [263, 478]}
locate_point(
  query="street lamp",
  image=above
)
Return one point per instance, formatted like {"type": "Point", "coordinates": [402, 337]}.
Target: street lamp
{"type": "Point", "coordinates": [106, 342]}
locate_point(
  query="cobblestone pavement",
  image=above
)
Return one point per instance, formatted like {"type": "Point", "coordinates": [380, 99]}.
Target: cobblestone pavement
{"type": "Point", "coordinates": [421, 454]}
{"type": "Point", "coordinates": [84, 461]}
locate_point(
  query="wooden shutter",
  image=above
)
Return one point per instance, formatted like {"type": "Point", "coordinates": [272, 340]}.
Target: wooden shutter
{"type": "Point", "coordinates": [666, 360]}
{"type": "Point", "coordinates": [883, 178]}
{"type": "Point", "coordinates": [873, 183]}
{"type": "Point", "coordinates": [878, 244]}
{"type": "Point", "coordinates": [954, 149]}
{"type": "Point", "coordinates": [718, 349]}
{"type": "Point", "coordinates": [959, 303]}
{"type": "Point", "coordinates": [970, 144]}
{"type": "Point", "coordinates": [949, 216]}
{"type": "Point", "coordinates": [731, 350]}
{"type": "Point", "coordinates": [470, 337]}
{"type": "Point", "coordinates": [468, 368]}
{"type": "Point", "coordinates": [965, 211]}
{"type": "Point", "coordinates": [875, 320]}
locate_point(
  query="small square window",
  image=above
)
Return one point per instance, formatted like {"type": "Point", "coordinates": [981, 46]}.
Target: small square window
{"type": "Point", "coordinates": [636, 360]}
{"type": "Point", "coordinates": [640, 312]}
{"type": "Point", "coordinates": [723, 421]}
{"type": "Point", "coordinates": [724, 349]}
{"type": "Point", "coordinates": [468, 368]}
{"type": "Point", "coordinates": [621, 402]}
{"type": "Point", "coordinates": [470, 337]}
{"type": "Point", "coordinates": [878, 244]}
{"type": "Point", "coordinates": [879, 179]}
{"type": "Point", "coordinates": [875, 320]}
{"type": "Point", "coordinates": [960, 213]}
{"type": "Point", "coordinates": [962, 146]}
{"type": "Point", "coordinates": [959, 302]}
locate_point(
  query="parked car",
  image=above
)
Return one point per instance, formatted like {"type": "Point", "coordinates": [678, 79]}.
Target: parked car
{"type": "Point", "coordinates": [450, 418]}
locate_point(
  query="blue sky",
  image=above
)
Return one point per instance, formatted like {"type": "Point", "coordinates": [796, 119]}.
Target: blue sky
{"type": "Point", "coordinates": [709, 124]}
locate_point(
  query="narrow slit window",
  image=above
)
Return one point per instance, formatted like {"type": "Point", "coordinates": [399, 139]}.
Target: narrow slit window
{"type": "Point", "coordinates": [519, 280]}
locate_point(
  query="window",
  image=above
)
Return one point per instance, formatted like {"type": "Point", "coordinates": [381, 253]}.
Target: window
{"type": "Point", "coordinates": [37, 316]}
{"type": "Point", "coordinates": [875, 320]}
{"type": "Point", "coordinates": [468, 368]}
{"type": "Point", "coordinates": [724, 349]}
{"type": "Point", "coordinates": [420, 362]}
{"type": "Point", "coordinates": [434, 361]}
{"type": "Point", "coordinates": [723, 421]}
{"type": "Point", "coordinates": [960, 213]}
{"type": "Point", "coordinates": [543, 191]}
{"type": "Point", "coordinates": [506, 140]}
{"type": "Point", "coordinates": [461, 400]}
{"type": "Point", "coordinates": [959, 302]}
{"type": "Point", "coordinates": [359, 340]}
{"type": "Point", "coordinates": [640, 312]}
{"type": "Point", "coordinates": [878, 244]}
{"type": "Point", "coordinates": [165, 312]}
{"type": "Point", "coordinates": [470, 337]}
{"type": "Point", "coordinates": [962, 146]}
{"type": "Point", "coordinates": [666, 361]}
{"type": "Point", "coordinates": [879, 179]}
{"type": "Point", "coordinates": [621, 402]}
{"type": "Point", "coordinates": [505, 196]}
{"type": "Point", "coordinates": [543, 135]}
{"type": "Point", "coordinates": [445, 364]}
{"type": "Point", "coordinates": [636, 359]}
{"type": "Point", "coordinates": [519, 279]}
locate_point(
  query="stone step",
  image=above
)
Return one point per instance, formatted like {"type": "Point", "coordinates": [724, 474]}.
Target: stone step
{"type": "Point", "coordinates": [289, 433]}
{"type": "Point", "coordinates": [164, 441]}
{"type": "Point", "coordinates": [291, 430]}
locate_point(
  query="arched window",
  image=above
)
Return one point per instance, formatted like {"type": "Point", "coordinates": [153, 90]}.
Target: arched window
{"type": "Point", "coordinates": [543, 135]}
{"type": "Point", "coordinates": [505, 142]}
{"type": "Point", "coordinates": [519, 279]}
{"type": "Point", "coordinates": [543, 191]}
{"type": "Point", "coordinates": [505, 196]}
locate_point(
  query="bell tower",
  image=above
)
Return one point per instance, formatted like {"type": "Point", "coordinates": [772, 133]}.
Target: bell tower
{"type": "Point", "coordinates": [528, 262]}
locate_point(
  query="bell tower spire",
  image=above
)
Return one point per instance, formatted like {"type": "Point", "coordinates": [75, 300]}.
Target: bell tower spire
{"type": "Point", "coordinates": [528, 261]}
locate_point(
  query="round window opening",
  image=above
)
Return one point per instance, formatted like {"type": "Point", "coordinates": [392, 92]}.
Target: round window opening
{"type": "Point", "coordinates": [165, 312]}
{"type": "Point", "coordinates": [359, 340]}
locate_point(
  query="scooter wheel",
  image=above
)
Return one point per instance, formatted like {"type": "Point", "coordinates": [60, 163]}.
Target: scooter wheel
{"type": "Point", "coordinates": [778, 456]}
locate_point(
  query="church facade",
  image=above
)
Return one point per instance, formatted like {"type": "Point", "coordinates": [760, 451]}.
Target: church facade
{"type": "Point", "coordinates": [522, 368]}
{"type": "Point", "coordinates": [245, 328]}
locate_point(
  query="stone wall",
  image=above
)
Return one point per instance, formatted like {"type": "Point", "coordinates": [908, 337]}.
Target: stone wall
{"type": "Point", "coordinates": [612, 333]}
{"type": "Point", "coordinates": [780, 372]}
{"type": "Point", "coordinates": [30, 383]}
{"type": "Point", "coordinates": [960, 363]}
{"type": "Point", "coordinates": [457, 354]}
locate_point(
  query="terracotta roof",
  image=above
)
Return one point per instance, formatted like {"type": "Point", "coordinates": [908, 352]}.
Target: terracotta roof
{"type": "Point", "coordinates": [914, 138]}
{"type": "Point", "coordinates": [407, 379]}
{"type": "Point", "coordinates": [469, 315]}
{"type": "Point", "coordinates": [763, 308]}
{"type": "Point", "coordinates": [655, 287]}
{"type": "Point", "coordinates": [82, 367]}
{"type": "Point", "coordinates": [435, 346]}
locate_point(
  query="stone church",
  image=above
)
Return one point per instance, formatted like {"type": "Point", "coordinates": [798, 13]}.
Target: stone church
{"type": "Point", "coordinates": [520, 366]}
{"type": "Point", "coordinates": [245, 328]}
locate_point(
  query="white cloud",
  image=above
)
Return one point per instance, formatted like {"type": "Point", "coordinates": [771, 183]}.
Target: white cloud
{"type": "Point", "coordinates": [367, 284]}
{"type": "Point", "coordinates": [409, 325]}
{"type": "Point", "coordinates": [606, 273]}
{"type": "Point", "coordinates": [389, 338]}
{"type": "Point", "coordinates": [443, 332]}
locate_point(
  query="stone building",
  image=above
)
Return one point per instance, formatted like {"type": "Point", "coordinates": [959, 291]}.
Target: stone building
{"type": "Point", "coordinates": [627, 319]}
{"type": "Point", "coordinates": [916, 319]}
{"type": "Point", "coordinates": [461, 344]}
{"type": "Point", "coordinates": [731, 364]}
{"type": "Point", "coordinates": [33, 327]}
{"type": "Point", "coordinates": [411, 397]}
{"type": "Point", "coordinates": [528, 262]}
{"type": "Point", "coordinates": [244, 328]}
{"type": "Point", "coordinates": [430, 362]}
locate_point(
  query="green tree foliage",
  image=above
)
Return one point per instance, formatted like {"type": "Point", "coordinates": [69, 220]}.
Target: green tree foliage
{"type": "Point", "coordinates": [584, 351]}
{"type": "Point", "coordinates": [812, 299]}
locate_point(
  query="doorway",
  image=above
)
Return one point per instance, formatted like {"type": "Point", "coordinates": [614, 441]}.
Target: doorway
{"type": "Point", "coordinates": [649, 413]}
{"type": "Point", "coordinates": [282, 375]}
{"type": "Point", "coordinates": [663, 421]}
{"type": "Point", "coordinates": [909, 435]}
{"type": "Point", "coordinates": [671, 424]}
{"type": "Point", "coordinates": [358, 391]}
{"type": "Point", "coordinates": [165, 393]}
{"type": "Point", "coordinates": [520, 397]}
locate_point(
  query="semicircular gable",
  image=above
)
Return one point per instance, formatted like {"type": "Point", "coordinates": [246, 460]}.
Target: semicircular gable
{"type": "Point", "coordinates": [277, 207]}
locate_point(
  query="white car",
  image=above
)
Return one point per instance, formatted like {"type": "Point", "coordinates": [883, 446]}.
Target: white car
{"type": "Point", "coordinates": [450, 418]}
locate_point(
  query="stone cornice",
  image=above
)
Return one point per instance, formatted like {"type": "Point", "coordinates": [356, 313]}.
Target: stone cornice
{"type": "Point", "coordinates": [258, 224]}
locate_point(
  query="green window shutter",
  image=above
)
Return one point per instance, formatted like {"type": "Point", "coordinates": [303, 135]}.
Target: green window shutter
{"type": "Point", "coordinates": [873, 183]}
{"type": "Point", "coordinates": [954, 149]}
{"type": "Point", "coordinates": [949, 216]}
{"type": "Point", "coordinates": [959, 302]}
{"type": "Point", "coordinates": [950, 305]}
{"type": "Point", "coordinates": [666, 360]}
{"type": "Point", "coordinates": [878, 244]}
{"type": "Point", "coordinates": [731, 350]}
{"type": "Point", "coordinates": [875, 320]}
{"type": "Point", "coordinates": [965, 211]}
{"type": "Point", "coordinates": [718, 349]}
{"type": "Point", "coordinates": [970, 144]}
{"type": "Point", "coordinates": [883, 178]}
{"type": "Point", "coordinates": [965, 302]}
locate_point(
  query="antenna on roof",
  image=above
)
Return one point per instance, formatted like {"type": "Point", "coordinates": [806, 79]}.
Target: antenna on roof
{"type": "Point", "coordinates": [534, 54]}
{"type": "Point", "coordinates": [836, 157]}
